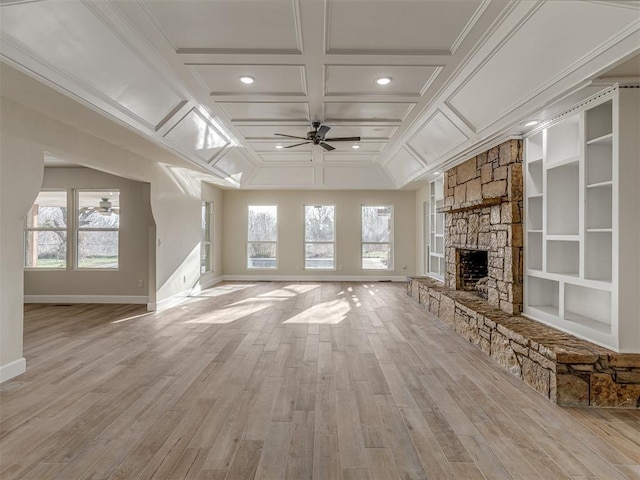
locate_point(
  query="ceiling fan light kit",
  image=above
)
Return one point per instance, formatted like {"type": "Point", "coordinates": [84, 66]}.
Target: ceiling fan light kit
{"type": "Point", "coordinates": [317, 137]}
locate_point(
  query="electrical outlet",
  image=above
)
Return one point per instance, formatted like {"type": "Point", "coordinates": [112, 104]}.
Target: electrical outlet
{"type": "Point", "coordinates": [140, 283]}
{"type": "Point", "coordinates": [184, 279]}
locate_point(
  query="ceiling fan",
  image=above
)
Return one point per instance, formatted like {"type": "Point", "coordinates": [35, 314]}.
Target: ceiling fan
{"type": "Point", "coordinates": [317, 137]}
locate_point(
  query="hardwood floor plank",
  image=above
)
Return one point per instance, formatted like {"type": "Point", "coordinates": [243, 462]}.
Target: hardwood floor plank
{"type": "Point", "coordinates": [248, 380]}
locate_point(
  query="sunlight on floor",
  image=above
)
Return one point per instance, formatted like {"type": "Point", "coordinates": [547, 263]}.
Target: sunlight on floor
{"type": "Point", "coordinates": [329, 313]}
{"type": "Point", "coordinates": [127, 319]}
{"type": "Point", "coordinates": [249, 306]}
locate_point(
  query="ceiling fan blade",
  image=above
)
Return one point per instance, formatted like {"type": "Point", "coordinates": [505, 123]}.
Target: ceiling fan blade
{"type": "Point", "coordinates": [322, 131]}
{"type": "Point", "coordinates": [343, 139]}
{"type": "Point", "coordinates": [326, 146]}
{"type": "Point", "coordinates": [289, 136]}
{"type": "Point", "coordinates": [296, 145]}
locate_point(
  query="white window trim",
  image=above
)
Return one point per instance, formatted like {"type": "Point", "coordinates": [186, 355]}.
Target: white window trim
{"type": "Point", "coordinates": [68, 230]}
{"type": "Point", "coordinates": [304, 240]}
{"type": "Point", "coordinates": [247, 241]}
{"type": "Point", "coordinates": [390, 267]}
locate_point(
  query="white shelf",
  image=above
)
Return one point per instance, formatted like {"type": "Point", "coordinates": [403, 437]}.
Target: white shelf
{"type": "Point", "coordinates": [571, 161]}
{"type": "Point", "coordinates": [599, 122]}
{"type": "Point", "coordinates": [601, 184]}
{"type": "Point", "coordinates": [604, 139]}
{"type": "Point", "coordinates": [564, 238]}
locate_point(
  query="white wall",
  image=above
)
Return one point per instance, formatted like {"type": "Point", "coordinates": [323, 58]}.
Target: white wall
{"type": "Point", "coordinates": [175, 196]}
{"type": "Point", "coordinates": [291, 230]}
{"type": "Point", "coordinates": [135, 221]}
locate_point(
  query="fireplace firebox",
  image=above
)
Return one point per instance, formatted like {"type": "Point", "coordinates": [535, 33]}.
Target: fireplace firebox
{"type": "Point", "coordinates": [472, 271]}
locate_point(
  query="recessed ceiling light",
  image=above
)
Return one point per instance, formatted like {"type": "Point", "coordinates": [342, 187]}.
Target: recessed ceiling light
{"type": "Point", "coordinates": [279, 146]}
{"type": "Point", "coordinates": [355, 146]}
{"type": "Point", "coordinates": [383, 81]}
{"type": "Point", "coordinates": [247, 80]}
{"type": "Point", "coordinates": [531, 123]}
{"type": "Point", "coordinates": [437, 173]}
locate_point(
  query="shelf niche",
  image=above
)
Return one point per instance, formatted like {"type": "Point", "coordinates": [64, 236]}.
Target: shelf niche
{"type": "Point", "coordinates": [563, 199]}
{"type": "Point", "coordinates": [563, 257]}
{"type": "Point", "coordinates": [563, 141]}
{"type": "Point", "coordinates": [543, 294]}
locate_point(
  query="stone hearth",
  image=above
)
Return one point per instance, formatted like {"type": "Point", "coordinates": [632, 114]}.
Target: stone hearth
{"type": "Point", "coordinates": [483, 211]}
{"type": "Point", "coordinates": [567, 370]}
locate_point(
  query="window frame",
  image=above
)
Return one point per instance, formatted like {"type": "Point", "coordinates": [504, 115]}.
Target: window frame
{"type": "Point", "coordinates": [305, 242]}
{"type": "Point", "coordinates": [247, 241]}
{"type": "Point", "coordinates": [68, 230]}
{"type": "Point", "coordinates": [77, 229]}
{"type": "Point", "coordinates": [390, 267]}
{"type": "Point", "coordinates": [209, 206]}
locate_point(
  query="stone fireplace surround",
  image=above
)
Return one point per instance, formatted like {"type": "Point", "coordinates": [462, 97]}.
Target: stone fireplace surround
{"type": "Point", "coordinates": [484, 211]}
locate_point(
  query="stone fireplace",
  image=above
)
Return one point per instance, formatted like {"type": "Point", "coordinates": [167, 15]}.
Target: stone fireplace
{"type": "Point", "coordinates": [483, 213]}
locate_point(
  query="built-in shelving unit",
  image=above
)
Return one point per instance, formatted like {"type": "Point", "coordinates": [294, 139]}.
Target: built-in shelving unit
{"type": "Point", "coordinates": [436, 222]}
{"type": "Point", "coordinates": [573, 178]}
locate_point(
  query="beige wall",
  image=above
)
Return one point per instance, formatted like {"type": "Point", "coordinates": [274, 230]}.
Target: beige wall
{"type": "Point", "coordinates": [290, 230]}
{"type": "Point", "coordinates": [215, 195]}
{"type": "Point", "coordinates": [135, 221]}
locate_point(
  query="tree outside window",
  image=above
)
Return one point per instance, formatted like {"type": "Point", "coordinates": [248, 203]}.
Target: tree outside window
{"type": "Point", "coordinates": [46, 229]}
{"type": "Point", "coordinates": [377, 237]}
{"type": "Point", "coordinates": [262, 236]}
{"type": "Point", "coordinates": [319, 237]}
{"type": "Point", "coordinates": [97, 228]}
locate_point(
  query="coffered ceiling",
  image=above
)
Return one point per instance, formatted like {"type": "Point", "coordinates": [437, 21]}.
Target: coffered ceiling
{"type": "Point", "coordinates": [464, 75]}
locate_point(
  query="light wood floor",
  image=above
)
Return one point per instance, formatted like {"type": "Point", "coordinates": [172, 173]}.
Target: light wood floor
{"type": "Point", "coordinates": [287, 380]}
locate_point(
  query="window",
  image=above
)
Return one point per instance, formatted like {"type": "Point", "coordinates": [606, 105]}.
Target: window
{"type": "Point", "coordinates": [377, 237]}
{"type": "Point", "coordinates": [206, 244]}
{"type": "Point", "coordinates": [46, 230]}
{"type": "Point", "coordinates": [97, 228]}
{"type": "Point", "coordinates": [262, 236]}
{"type": "Point", "coordinates": [319, 237]}
{"type": "Point", "coordinates": [436, 229]}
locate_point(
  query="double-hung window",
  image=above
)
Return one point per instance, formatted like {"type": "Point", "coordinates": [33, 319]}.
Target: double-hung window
{"type": "Point", "coordinates": [262, 236]}
{"type": "Point", "coordinates": [97, 228]}
{"type": "Point", "coordinates": [377, 237]}
{"type": "Point", "coordinates": [46, 231]}
{"type": "Point", "coordinates": [319, 237]}
{"type": "Point", "coordinates": [206, 244]}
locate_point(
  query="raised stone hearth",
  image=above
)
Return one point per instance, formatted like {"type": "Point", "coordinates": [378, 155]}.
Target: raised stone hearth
{"type": "Point", "coordinates": [567, 370]}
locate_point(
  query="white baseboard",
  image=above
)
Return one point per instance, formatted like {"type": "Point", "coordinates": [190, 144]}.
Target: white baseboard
{"type": "Point", "coordinates": [316, 278]}
{"type": "Point", "coordinates": [126, 299]}
{"type": "Point", "coordinates": [12, 369]}
{"type": "Point", "coordinates": [207, 282]}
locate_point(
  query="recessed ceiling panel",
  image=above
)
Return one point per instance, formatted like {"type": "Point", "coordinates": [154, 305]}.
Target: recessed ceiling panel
{"type": "Point", "coordinates": [361, 79]}
{"type": "Point", "coordinates": [254, 111]}
{"type": "Point", "coordinates": [403, 166]}
{"type": "Point", "coordinates": [363, 147]}
{"type": "Point", "coordinates": [268, 79]}
{"type": "Point", "coordinates": [266, 132]}
{"type": "Point", "coordinates": [365, 176]}
{"type": "Point", "coordinates": [543, 58]}
{"type": "Point", "coordinates": [234, 164]}
{"type": "Point", "coordinates": [70, 39]}
{"type": "Point", "coordinates": [397, 26]}
{"type": "Point", "coordinates": [228, 26]}
{"type": "Point", "coordinates": [197, 135]}
{"type": "Point", "coordinates": [366, 111]}
{"type": "Point", "coordinates": [437, 137]}
{"type": "Point", "coordinates": [284, 177]}
{"type": "Point", "coordinates": [287, 157]}
{"type": "Point", "coordinates": [343, 157]}
{"type": "Point", "coordinates": [271, 147]}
